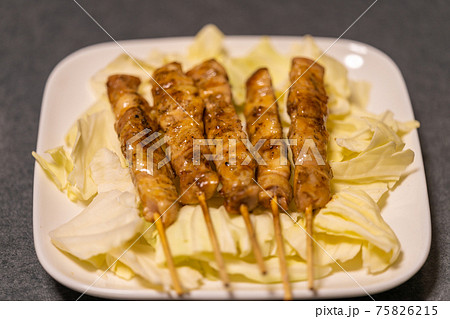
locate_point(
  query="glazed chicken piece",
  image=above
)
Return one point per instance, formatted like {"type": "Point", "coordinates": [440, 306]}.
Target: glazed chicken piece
{"type": "Point", "coordinates": [307, 107]}
{"type": "Point", "coordinates": [154, 185]}
{"type": "Point", "coordinates": [179, 110]}
{"type": "Point", "coordinates": [222, 123]}
{"type": "Point", "coordinates": [263, 123]}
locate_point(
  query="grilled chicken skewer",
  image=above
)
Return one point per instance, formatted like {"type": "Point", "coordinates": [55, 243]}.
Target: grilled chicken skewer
{"type": "Point", "coordinates": [222, 123]}
{"type": "Point", "coordinates": [307, 107]}
{"type": "Point", "coordinates": [179, 110]}
{"type": "Point", "coordinates": [154, 186]}
{"type": "Point", "coordinates": [263, 123]}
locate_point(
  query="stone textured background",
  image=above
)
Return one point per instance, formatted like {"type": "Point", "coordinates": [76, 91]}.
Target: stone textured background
{"type": "Point", "coordinates": [36, 35]}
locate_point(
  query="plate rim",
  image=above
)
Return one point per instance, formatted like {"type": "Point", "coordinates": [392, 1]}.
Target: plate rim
{"type": "Point", "coordinates": [144, 294]}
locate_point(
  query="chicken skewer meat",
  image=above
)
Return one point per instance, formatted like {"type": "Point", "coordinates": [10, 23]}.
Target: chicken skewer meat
{"type": "Point", "coordinates": [222, 123]}
{"type": "Point", "coordinates": [307, 107]}
{"type": "Point", "coordinates": [157, 190]}
{"type": "Point", "coordinates": [263, 123]}
{"type": "Point", "coordinates": [155, 187]}
{"type": "Point", "coordinates": [179, 110]}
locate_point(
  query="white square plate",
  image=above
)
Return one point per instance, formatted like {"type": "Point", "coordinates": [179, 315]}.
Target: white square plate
{"type": "Point", "coordinates": [67, 95]}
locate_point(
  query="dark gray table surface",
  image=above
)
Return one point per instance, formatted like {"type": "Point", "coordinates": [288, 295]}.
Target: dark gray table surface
{"type": "Point", "coordinates": [36, 35]}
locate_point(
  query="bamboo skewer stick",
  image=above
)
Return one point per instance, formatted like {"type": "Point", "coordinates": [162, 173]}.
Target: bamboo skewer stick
{"type": "Point", "coordinates": [280, 249]}
{"type": "Point", "coordinates": [168, 254]}
{"type": "Point", "coordinates": [309, 247]}
{"type": "Point", "coordinates": [251, 232]}
{"type": "Point", "coordinates": [215, 243]}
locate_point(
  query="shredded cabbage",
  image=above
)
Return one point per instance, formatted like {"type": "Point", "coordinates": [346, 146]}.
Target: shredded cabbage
{"type": "Point", "coordinates": [108, 222]}
{"type": "Point", "coordinates": [59, 168]}
{"type": "Point", "coordinates": [263, 55]}
{"type": "Point", "coordinates": [366, 153]}
{"type": "Point", "coordinates": [207, 45]}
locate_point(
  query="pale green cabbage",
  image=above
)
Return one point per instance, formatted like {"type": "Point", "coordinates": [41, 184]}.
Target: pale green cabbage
{"type": "Point", "coordinates": [59, 168]}
{"type": "Point", "coordinates": [127, 65]}
{"type": "Point", "coordinates": [263, 55]}
{"type": "Point", "coordinates": [208, 44]}
{"type": "Point", "coordinates": [354, 214]}
{"type": "Point", "coordinates": [108, 222]}
{"type": "Point", "coordinates": [366, 152]}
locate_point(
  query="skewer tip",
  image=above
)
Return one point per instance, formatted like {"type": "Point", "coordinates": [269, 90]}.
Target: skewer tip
{"type": "Point", "coordinates": [251, 232]}
{"type": "Point", "coordinates": [214, 241]}
{"type": "Point", "coordinates": [169, 259]}
{"type": "Point", "coordinates": [309, 247]}
{"type": "Point", "coordinates": [280, 249]}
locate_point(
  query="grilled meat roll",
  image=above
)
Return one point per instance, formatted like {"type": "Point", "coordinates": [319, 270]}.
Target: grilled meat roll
{"type": "Point", "coordinates": [307, 107]}
{"type": "Point", "coordinates": [179, 110]}
{"type": "Point", "coordinates": [154, 186]}
{"type": "Point", "coordinates": [222, 122]}
{"type": "Point", "coordinates": [263, 123]}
